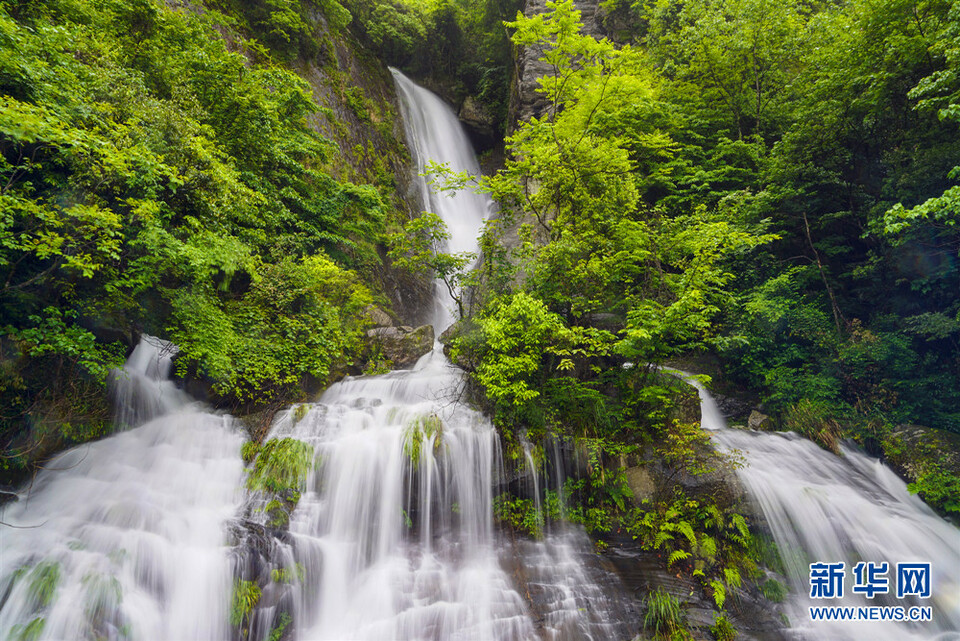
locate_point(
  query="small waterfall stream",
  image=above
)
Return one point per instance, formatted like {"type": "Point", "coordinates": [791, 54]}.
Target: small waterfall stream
{"type": "Point", "coordinates": [124, 538]}
{"type": "Point", "coordinates": [851, 508]}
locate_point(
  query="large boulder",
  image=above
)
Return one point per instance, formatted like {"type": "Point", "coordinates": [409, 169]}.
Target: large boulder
{"type": "Point", "coordinates": [759, 421]}
{"type": "Point", "coordinates": [401, 346]}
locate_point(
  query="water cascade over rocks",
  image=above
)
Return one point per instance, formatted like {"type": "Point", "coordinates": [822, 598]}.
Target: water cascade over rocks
{"type": "Point", "coordinates": [152, 534]}
{"type": "Point", "coordinates": [394, 532]}
{"type": "Point", "coordinates": [848, 508]}
{"type": "Point", "coordinates": [124, 538]}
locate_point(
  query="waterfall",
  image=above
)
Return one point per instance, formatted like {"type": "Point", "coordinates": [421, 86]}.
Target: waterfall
{"type": "Point", "coordinates": [124, 537]}
{"type": "Point", "coordinates": [850, 508]}
{"type": "Point", "coordinates": [434, 135]}
{"type": "Point", "coordinates": [395, 530]}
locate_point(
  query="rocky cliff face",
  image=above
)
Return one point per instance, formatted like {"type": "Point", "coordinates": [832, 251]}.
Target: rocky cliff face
{"type": "Point", "coordinates": [526, 102]}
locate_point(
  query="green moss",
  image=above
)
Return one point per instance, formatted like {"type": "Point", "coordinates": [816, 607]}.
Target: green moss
{"type": "Point", "coordinates": [288, 575]}
{"type": "Point", "coordinates": [28, 632]}
{"type": "Point", "coordinates": [44, 579]}
{"type": "Point", "coordinates": [774, 590]}
{"type": "Point", "coordinates": [420, 428]}
{"type": "Point", "coordinates": [249, 451]}
{"type": "Point", "coordinates": [299, 412]}
{"type": "Point", "coordinates": [277, 633]}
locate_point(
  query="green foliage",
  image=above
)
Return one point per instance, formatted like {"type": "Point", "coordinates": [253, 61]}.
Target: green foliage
{"type": "Point", "coordinates": [155, 180]}
{"type": "Point", "coordinates": [249, 451]}
{"type": "Point", "coordinates": [423, 427]}
{"type": "Point", "coordinates": [520, 514]}
{"type": "Point", "coordinates": [43, 581]}
{"type": "Point", "coordinates": [419, 249]}
{"type": "Point", "coordinates": [246, 595]}
{"type": "Point", "coordinates": [276, 633]}
{"type": "Point", "coordinates": [287, 575]}
{"type": "Point", "coordinates": [774, 590]}
{"type": "Point", "coordinates": [930, 466]}
{"type": "Point", "coordinates": [29, 632]}
{"type": "Point", "coordinates": [712, 544]}
{"type": "Point", "coordinates": [722, 629]}
{"type": "Point", "coordinates": [665, 617]}
{"type": "Point", "coordinates": [281, 465]}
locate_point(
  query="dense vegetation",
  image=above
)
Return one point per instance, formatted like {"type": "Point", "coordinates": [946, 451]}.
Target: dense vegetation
{"type": "Point", "coordinates": [461, 44]}
{"type": "Point", "coordinates": [156, 179]}
{"type": "Point", "coordinates": [770, 182]}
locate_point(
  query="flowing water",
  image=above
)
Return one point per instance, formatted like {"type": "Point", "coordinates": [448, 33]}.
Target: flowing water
{"type": "Point", "coordinates": [434, 135]}
{"type": "Point", "coordinates": [124, 538]}
{"type": "Point", "coordinates": [143, 535]}
{"type": "Point", "coordinates": [850, 508]}
{"type": "Point", "coordinates": [395, 531]}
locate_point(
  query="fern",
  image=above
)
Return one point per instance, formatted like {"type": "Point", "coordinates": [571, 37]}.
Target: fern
{"type": "Point", "coordinates": [732, 577]}
{"type": "Point", "coordinates": [661, 537]}
{"type": "Point", "coordinates": [677, 555]}
{"type": "Point", "coordinates": [708, 548]}
{"type": "Point", "coordinates": [740, 524]}
{"type": "Point", "coordinates": [687, 530]}
{"type": "Point", "coordinates": [719, 593]}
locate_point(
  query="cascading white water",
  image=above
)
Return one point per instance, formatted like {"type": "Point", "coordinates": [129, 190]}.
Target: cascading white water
{"type": "Point", "coordinates": [395, 531]}
{"type": "Point", "coordinates": [127, 538]}
{"type": "Point", "coordinates": [124, 538]}
{"type": "Point", "coordinates": [435, 135]}
{"type": "Point", "coordinates": [850, 508]}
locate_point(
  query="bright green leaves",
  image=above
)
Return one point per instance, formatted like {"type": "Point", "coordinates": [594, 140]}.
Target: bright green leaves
{"type": "Point", "coordinates": [743, 52]}
{"type": "Point", "coordinates": [281, 465]}
{"type": "Point", "coordinates": [246, 595]}
{"type": "Point", "coordinates": [54, 333]}
{"type": "Point", "coordinates": [419, 249]}
{"type": "Point", "coordinates": [697, 249]}
{"type": "Point", "coordinates": [299, 318]}
{"type": "Point", "coordinates": [151, 178]}
{"type": "Point", "coordinates": [517, 335]}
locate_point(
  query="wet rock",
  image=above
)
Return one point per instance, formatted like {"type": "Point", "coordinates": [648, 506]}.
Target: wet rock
{"type": "Point", "coordinates": [461, 360]}
{"type": "Point", "coordinates": [759, 421]}
{"type": "Point", "coordinates": [401, 346]}
{"type": "Point", "coordinates": [642, 572]}
{"type": "Point", "coordinates": [733, 408]}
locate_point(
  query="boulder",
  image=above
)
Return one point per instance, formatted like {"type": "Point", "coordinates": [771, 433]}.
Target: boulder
{"type": "Point", "coordinates": [641, 484]}
{"type": "Point", "coordinates": [759, 421]}
{"type": "Point", "coordinates": [401, 346]}
{"type": "Point", "coordinates": [379, 317]}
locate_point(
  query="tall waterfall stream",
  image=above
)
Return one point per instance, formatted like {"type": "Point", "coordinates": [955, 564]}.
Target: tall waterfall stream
{"type": "Point", "coordinates": [144, 534]}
